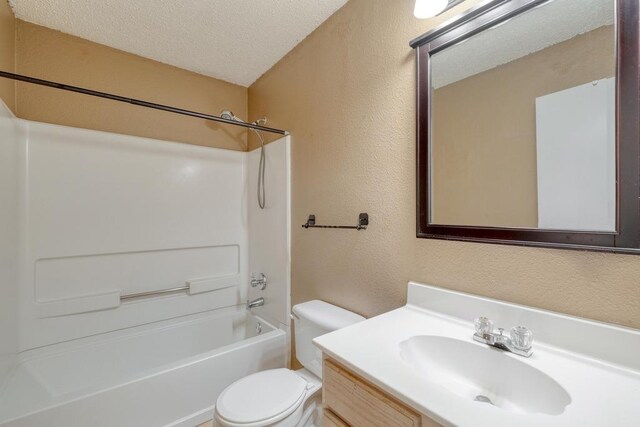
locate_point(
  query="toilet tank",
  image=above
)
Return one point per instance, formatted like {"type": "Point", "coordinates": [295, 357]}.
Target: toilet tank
{"type": "Point", "coordinates": [315, 318]}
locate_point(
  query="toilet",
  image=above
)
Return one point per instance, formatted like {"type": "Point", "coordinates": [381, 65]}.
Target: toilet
{"type": "Point", "coordinates": [283, 397]}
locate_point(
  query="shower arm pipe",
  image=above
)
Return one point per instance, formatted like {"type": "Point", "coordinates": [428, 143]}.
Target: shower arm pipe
{"type": "Point", "coordinates": [138, 102]}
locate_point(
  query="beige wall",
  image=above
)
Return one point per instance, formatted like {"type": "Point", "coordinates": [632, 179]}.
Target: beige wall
{"type": "Point", "coordinates": [346, 93]}
{"type": "Point", "coordinates": [487, 174]}
{"type": "Point", "coordinates": [52, 55]}
{"type": "Point", "coordinates": [7, 53]}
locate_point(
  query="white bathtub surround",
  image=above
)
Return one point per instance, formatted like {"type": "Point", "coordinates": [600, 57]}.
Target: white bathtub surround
{"type": "Point", "coordinates": [95, 218]}
{"type": "Point", "coordinates": [9, 239]}
{"type": "Point", "coordinates": [270, 230]}
{"type": "Point", "coordinates": [596, 364]}
{"type": "Point", "coordinates": [113, 214]}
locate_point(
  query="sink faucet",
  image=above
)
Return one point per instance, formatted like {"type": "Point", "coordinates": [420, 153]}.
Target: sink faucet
{"type": "Point", "coordinates": [255, 303]}
{"type": "Point", "coordinates": [518, 342]}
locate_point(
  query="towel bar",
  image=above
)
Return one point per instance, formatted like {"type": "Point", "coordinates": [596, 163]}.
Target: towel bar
{"type": "Point", "coordinates": [363, 221]}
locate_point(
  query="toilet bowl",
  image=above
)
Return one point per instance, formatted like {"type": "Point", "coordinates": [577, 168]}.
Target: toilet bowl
{"type": "Point", "coordinates": [283, 397]}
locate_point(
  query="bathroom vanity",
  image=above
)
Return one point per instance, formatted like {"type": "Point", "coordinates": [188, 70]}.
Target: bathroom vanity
{"type": "Point", "coordinates": [420, 365]}
{"type": "Point", "coordinates": [350, 400]}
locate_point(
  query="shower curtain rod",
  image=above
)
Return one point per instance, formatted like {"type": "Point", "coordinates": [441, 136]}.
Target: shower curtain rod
{"type": "Point", "coordinates": [139, 102]}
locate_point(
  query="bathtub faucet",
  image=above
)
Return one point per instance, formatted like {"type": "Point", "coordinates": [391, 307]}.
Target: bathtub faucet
{"type": "Point", "coordinates": [255, 303]}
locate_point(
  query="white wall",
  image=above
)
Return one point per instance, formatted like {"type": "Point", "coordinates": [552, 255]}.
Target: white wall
{"type": "Point", "coordinates": [269, 229]}
{"type": "Point", "coordinates": [111, 214]}
{"type": "Point", "coordinates": [9, 224]}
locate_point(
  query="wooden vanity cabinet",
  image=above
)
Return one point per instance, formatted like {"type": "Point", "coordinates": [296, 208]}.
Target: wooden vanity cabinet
{"type": "Point", "coordinates": [332, 420]}
{"type": "Point", "coordinates": [349, 400]}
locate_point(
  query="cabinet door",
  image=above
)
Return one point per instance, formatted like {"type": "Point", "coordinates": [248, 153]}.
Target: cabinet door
{"type": "Point", "coordinates": [359, 403]}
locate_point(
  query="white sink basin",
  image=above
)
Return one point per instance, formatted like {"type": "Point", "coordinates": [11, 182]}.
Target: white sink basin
{"type": "Point", "coordinates": [581, 373]}
{"type": "Point", "coordinates": [484, 374]}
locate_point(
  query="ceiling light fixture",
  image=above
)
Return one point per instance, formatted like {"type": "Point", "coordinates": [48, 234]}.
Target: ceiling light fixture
{"type": "Point", "coordinates": [429, 8]}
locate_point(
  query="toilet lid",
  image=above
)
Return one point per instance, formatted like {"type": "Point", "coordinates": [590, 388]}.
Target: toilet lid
{"type": "Point", "coordinates": [275, 393]}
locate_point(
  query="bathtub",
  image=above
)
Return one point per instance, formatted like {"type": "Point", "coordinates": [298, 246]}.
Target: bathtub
{"type": "Point", "coordinates": [163, 374]}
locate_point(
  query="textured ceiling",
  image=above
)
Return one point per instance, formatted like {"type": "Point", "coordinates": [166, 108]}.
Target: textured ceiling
{"type": "Point", "coordinates": [530, 32]}
{"type": "Point", "coordinates": [233, 40]}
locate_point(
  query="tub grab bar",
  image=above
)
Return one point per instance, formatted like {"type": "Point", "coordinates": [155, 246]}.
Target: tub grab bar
{"type": "Point", "coordinates": [154, 293]}
{"type": "Point", "coordinates": [195, 286]}
{"type": "Point", "coordinates": [113, 299]}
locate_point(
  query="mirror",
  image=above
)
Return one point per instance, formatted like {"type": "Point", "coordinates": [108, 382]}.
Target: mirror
{"type": "Point", "coordinates": [518, 126]}
{"type": "Point", "coordinates": [523, 122]}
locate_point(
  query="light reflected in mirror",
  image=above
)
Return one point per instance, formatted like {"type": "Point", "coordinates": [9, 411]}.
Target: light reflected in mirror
{"type": "Point", "coordinates": [523, 122]}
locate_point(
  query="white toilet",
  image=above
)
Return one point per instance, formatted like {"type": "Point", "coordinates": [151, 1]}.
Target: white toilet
{"type": "Point", "coordinates": [282, 397]}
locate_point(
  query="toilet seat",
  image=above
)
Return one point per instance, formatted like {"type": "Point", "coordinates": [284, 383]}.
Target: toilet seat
{"type": "Point", "coordinates": [262, 398]}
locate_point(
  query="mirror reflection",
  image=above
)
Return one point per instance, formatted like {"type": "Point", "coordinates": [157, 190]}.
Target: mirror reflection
{"type": "Point", "coordinates": [523, 122]}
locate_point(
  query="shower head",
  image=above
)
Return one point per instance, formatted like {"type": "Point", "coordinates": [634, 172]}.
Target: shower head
{"type": "Point", "coordinates": [228, 115]}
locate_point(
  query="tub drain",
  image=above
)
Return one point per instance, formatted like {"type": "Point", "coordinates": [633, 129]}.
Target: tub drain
{"type": "Point", "coordinates": [483, 398]}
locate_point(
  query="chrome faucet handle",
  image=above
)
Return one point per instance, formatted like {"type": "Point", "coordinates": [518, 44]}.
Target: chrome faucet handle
{"type": "Point", "coordinates": [484, 326]}
{"type": "Point", "coordinates": [521, 338]}
{"type": "Point", "coordinates": [260, 281]}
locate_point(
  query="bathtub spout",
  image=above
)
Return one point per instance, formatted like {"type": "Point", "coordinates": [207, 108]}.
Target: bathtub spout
{"type": "Point", "coordinates": [255, 303]}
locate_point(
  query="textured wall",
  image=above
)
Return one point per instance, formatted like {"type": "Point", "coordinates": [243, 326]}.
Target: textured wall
{"type": "Point", "coordinates": [487, 174]}
{"type": "Point", "coordinates": [7, 53]}
{"type": "Point", "coordinates": [346, 94]}
{"type": "Point", "coordinates": [52, 55]}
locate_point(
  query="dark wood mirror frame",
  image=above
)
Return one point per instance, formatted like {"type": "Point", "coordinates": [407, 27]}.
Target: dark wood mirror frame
{"type": "Point", "coordinates": [626, 238]}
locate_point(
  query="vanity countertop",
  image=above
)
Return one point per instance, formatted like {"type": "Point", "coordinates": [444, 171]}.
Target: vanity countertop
{"type": "Point", "coordinates": [597, 364]}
